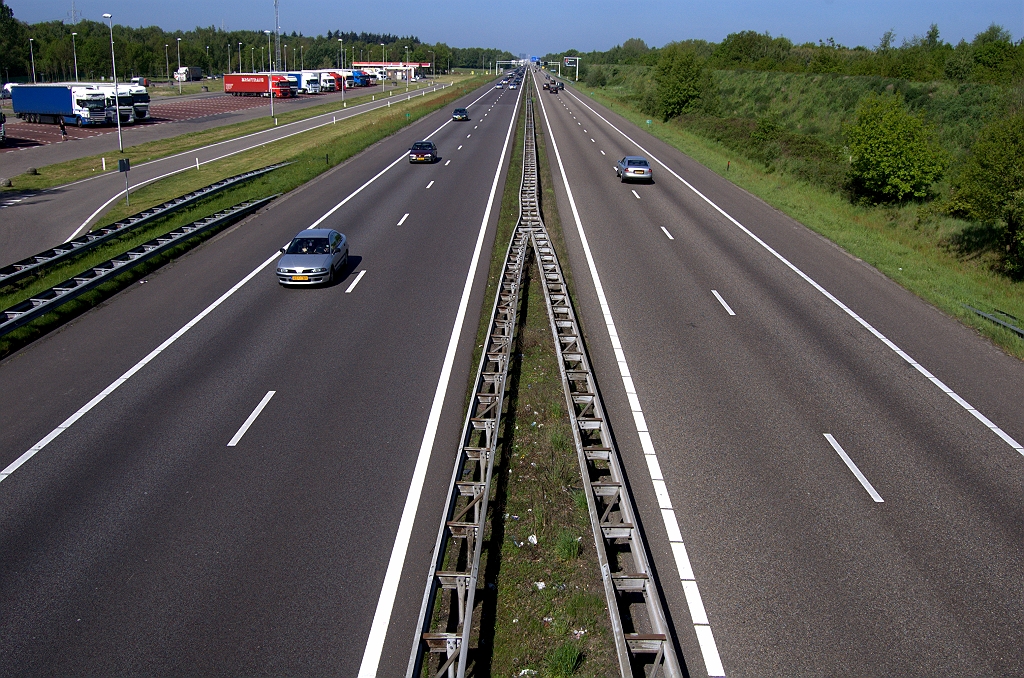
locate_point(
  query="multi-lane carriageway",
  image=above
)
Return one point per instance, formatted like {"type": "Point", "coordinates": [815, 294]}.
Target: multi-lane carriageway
{"type": "Point", "coordinates": [137, 541]}
{"type": "Point", "coordinates": [826, 468]}
{"type": "Point", "coordinates": [829, 470]}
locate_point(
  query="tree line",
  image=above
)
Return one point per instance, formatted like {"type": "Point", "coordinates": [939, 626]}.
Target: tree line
{"type": "Point", "coordinates": [890, 151]}
{"type": "Point", "coordinates": [153, 52]}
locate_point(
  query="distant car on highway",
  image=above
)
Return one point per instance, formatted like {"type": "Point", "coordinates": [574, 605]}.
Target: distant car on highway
{"type": "Point", "coordinates": [423, 151]}
{"type": "Point", "coordinates": [314, 256]}
{"type": "Point", "coordinates": [460, 114]}
{"type": "Point", "coordinates": [499, 86]}
{"type": "Point", "coordinates": [634, 168]}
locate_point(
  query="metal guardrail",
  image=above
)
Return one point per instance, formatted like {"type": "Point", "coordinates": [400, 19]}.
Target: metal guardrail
{"type": "Point", "coordinates": [25, 312]}
{"type": "Point", "coordinates": [1013, 328]}
{"type": "Point", "coordinates": [631, 590]}
{"type": "Point", "coordinates": [37, 263]}
{"type": "Point", "coordinates": [629, 583]}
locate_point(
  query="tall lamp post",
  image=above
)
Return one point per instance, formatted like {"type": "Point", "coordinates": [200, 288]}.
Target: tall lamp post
{"type": "Point", "coordinates": [286, 57]}
{"type": "Point", "coordinates": [74, 49]}
{"type": "Point", "coordinates": [341, 60]}
{"type": "Point", "coordinates": [383, 59]}
{"type": "Point", "coordinates": [252, 59]}
{"type": "Point", "coordinates": [239, 57]}
{"type": "Point", "coordinates": [32, 53]}
{"type": "Point", "coordinates": [270, 77]}
{"type": "Point", "coordinates": [433, 57]}
{"type": "Point", "coordinates": [113, 66]}
{"type": "Point", "coordinates": [302, 57]}
{"type": "Point", "coordinates": [167, 64]}
{"type": "Point", "coordinates": [178, 43]}
{"type": "Point", "coordinates": [407, 72]}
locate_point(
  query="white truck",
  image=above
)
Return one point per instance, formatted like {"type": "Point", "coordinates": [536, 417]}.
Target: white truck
{"type": "Point", "coordinates": [76, 104]}
{"type": "Point", "coordinates": [125, 103]}
{"type": "Point", "coordinates": [187, 73]}
{"type": "Point", "coordinates": [310, 82]}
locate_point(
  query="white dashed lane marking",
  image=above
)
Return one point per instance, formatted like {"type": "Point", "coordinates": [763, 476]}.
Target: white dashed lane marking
{"type": "Point", "coordinates": [402, 220]}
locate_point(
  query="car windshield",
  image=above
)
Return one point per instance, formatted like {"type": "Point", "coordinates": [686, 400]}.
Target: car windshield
{"type": "Point", "coordinates": [637, 163]}
{"type": "Point", "coordinates": [460, 111]}
{"type": "Point", "coordinates": [422, 146]}
{"type": "Point", "coordinates": [309, 246]}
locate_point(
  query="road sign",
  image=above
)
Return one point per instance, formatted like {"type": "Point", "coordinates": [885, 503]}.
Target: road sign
{"type": "Point", "coordinates": [124, 165]}
{"type": "Point", "coordinates": [570, 61]}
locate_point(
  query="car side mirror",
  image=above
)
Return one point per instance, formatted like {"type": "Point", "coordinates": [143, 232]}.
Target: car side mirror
{"type": "Point", "coordinates": [283, 250]}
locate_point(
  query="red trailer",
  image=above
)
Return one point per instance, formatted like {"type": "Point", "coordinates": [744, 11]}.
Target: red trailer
{"type": "Point", "coordinates": [339, 81]}
{"type": "Point", "coordinates": [255, 84]}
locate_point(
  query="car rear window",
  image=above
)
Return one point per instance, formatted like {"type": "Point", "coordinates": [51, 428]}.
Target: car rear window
{"type": "Point", "coordinates": [637, 163]}
{"type": "Point", "coordinates": [309, 246]}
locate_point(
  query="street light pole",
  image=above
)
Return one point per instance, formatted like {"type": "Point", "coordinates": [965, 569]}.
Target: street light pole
{"type": "Point", "coordinates": [270, 77]}
{"type": "Point", "coordinates": [302, 57]}
{"type": "Point", "coordinates": [167, 64]}
{"type": "Point", "coordinates": [433, 57]}
{"type": "Point", "coordinates": [341, 60]}
{"type": "Point", "coordinates": [407, 78]}
{"type": "Point", "coordinates": [383, 72]}
{"type": "Point", "coordinates": [286, 58]}
{"type": "Point", "coordinates": [32, 53]}
{"type": "Point", "coordinates": [239, 57]}
{"type": "Point", "coordinates": [179, 63]}
{"type": "Point", "coordinates": [252, 59]}
{"type": "Point", "coordinates": [74, 49]}
{"type": "Point", "coordinates": [113, 66]}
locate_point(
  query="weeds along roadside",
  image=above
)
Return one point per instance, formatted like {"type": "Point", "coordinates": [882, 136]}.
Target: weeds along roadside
{"type": "Point", "coordinates": [62, 173]}
{"type": "Point", "coordinates": [317, 151]}
{"type": "Point", "coordinates": [909, 248]}
{"type": "Point", "coordinates": [542, 605]}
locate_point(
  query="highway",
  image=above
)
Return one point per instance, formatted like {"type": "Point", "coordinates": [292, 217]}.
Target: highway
{"type": "Point", "coordinates": [138, 540]}
{"type": "Point", "coordinates": [36, 221]}
{"type": "Point", "coordinates": [828, 469]}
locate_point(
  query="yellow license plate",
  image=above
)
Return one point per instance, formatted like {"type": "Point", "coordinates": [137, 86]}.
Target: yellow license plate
{"type": "Point", "coordinates": [300, 277]}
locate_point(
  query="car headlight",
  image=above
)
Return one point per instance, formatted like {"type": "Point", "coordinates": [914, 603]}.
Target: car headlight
{"type": "Point", "coordinates": [319, 270]}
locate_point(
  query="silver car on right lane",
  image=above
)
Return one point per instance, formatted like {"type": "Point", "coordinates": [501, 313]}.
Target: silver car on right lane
{"type": "Point", "coordinates": [634, 168]}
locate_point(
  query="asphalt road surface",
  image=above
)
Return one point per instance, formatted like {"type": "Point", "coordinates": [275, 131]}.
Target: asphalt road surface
{"type": "Point", "coordinates": [33, 222]}
{"type": "Point", "coordinates": [844, 508]}
{"type": "Point", "coordinates": [138, 542]}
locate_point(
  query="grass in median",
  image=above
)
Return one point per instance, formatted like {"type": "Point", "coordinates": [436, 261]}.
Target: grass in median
{"type": "Point", "coordinates": [561, 629]}
{"type": "Point", "coordinates": [923, 251]}
{"type": "Point", "coordinates": [81, 168]}
{"type": "Point", "coordinates": [313, 154]}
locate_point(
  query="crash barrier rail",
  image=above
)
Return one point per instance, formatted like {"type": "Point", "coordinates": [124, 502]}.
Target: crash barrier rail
{"type": "Point", "coordinates": [35, 264]}
{"type": "Point", "coordinates": [631, 590]}
{"type": "Point", "coordinates": [1013, 328]}
{"type": "Point", "coordinates": [25, 312]}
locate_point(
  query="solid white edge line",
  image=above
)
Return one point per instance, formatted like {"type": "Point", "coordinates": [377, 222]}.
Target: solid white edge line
{"type": "Point", "coordinates": [709, 650]}
{"type": "Point", "coordinates": [356, 281]}
{"type": "Point", "coordinates": [722, 302]}
{"type": "Point", "coordinates": [853, 467]}
{"type": "Point", "coordinates": [393, 575]}
{"type": "Point", "coordinates": [665, 230]}
{"type": "Point", "coordinates": [49, 437]}
{"type": "Point", "coordinates": [226, 155]}
{"type": "Point", "coordinates": [1009, 440]}
{"type": "Point", "coordinates": [402, 220]}
{"type": "Point", "coordinates": [252, 417]}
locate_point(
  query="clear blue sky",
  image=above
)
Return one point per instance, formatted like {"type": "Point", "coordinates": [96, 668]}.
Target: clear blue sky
{"type": "Point", "coordinates": [556, 25]}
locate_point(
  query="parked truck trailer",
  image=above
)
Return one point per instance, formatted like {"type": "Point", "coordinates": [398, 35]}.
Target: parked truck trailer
{"type": "Point", "coordinates": [255, 84]}
{"type": "Point", "coordinates": [77, 104]}
{"type": "Point", "coordinates": [187, 73]}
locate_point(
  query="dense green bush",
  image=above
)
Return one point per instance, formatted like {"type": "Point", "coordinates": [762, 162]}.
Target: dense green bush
{"type": "Point", "coordinates": [682, 83]}
{"type": "Point", "coordinates": [989, 185]}
{"type": "Point", "coordinates": [893, 153]}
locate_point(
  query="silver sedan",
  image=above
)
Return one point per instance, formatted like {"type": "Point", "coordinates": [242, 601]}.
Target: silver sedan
{"type": "Point", "coordinates": [634, 168]}
{"type": "Point", "coordinates": [316, 255]}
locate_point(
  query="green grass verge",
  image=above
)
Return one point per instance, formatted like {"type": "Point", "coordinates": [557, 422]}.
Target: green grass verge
{"type": "Point", "coordinates": [311, 154]}
{"type": "Point", "coordinates": [926, 253]}
{"type": "Point", "coordinates": [81, 168]}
